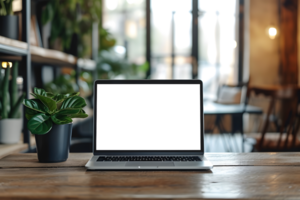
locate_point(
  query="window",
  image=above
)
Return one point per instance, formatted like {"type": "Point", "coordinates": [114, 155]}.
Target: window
{"type": "Point", "coordinates": [217, 43]}
{"type": "Point", "coordinates": [171, 26]}
{"type": "Point", "coordinates": [171, 37]}
{"type": "Point", "coordinates": [125, 20]}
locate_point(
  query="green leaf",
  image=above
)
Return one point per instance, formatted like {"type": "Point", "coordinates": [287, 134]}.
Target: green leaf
{"type": "Point", "coordinates": [40, 124]}
{"type": "Point", "coordinates": [29, 113]}
{"type": "Point", "coordinates": [14, 110]}
{"type": "Point", "coordinates": [61, 97]}
{"type": "Point", "coordinates": [58, 97]}
{"type": "Point", "coordinates": [39, 91]}
{"type": "Point", "coordinates": [68, 111]}
{"type": "Point", "coordinates": [49, 103]}
{"type": "Point", "coordinates": [35, 105]}
{"type": "Point", "coordinates": [28, 116]}
{"type": "Point", "coordinates": [61, 119]}
{"type": "Point", "coordinates": [50, 95]}
{"type": "Point", "coordinates": [81, 114]}
{"type": "Point", "coordinates": [73, 102]}
{"type": "Point", "coordinates": [72, 94]}
{"type": "Point", "coordinates": [34, 95]}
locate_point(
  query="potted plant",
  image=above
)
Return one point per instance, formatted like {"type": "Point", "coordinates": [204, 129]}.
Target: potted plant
{"type": "Point", "coordinates": [8, 21]}
{"type": "Point", "coordinates": [10, 101]}
{"type": "Point", "coordinates": [50, 120]}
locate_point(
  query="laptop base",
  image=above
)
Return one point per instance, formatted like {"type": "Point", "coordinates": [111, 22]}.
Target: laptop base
{"type": "Point", "coordinates": [93, 164]}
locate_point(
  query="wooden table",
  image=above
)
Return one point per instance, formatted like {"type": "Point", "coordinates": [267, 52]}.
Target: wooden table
{"type": "Point", "coordinates": [235, 176]}
{"type": "Point", "coordinates": [236, 111]}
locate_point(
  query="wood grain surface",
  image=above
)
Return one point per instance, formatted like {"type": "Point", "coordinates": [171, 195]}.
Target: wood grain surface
{"type": "Point", "coordinates": [13, 43]}
{"type": "Point", "coordinates": [7, 149]}
{"type": "Point", "coordinates": [48, 56]}
{"type": "Point", "coordinates": [250, 182]}
{"type": "Point", "coordinates": [29, 160]}
{"type": "Point", "coordinates": [234, 176]}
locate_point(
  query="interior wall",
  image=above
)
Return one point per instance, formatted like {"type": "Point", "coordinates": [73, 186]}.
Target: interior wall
{"type": "Point", "coordinates": [263, 52]}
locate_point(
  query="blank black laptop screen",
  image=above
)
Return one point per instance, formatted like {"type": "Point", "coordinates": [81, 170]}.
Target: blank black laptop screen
{"type": "Point", "coordinates": [148, 117]}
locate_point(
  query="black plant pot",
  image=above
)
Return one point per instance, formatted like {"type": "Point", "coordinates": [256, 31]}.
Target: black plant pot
{"type": "Point", "coordinates": [54, 146]}
{"type": "Point", "coordinates": [9, 26]}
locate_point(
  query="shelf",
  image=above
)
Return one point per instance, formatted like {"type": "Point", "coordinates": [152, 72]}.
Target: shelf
{"type": "Point", "coordinates": [7, 149]}
{"type": "Point", "coordinates": [86, 64]}
{"type": "Point", "coordinates": [51, 57]}
{"type": "Point", "coordinates": [13, 47]}
{"type": "Point", "coordinates": [10, 58]}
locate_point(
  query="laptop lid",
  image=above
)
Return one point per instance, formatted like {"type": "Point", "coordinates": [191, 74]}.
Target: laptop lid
{"type": "Point", "coordinates": [148, 117]}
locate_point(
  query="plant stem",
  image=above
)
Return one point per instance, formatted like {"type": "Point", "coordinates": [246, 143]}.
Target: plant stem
{"type": "Point", "coordinates": [3, 9]}
{"type": "Point", "coordinates": [14, 112]}
{"type": "Point", "coordinates": [0, 91]}
{"type": "Point", "coordinates": [4, 113]}
{"type": "Point", "coordinates": [14, 86]}
{"type": "Point", "coordinates": [9, 7]}
{"type": "Point", "coordinates": [0, 80]}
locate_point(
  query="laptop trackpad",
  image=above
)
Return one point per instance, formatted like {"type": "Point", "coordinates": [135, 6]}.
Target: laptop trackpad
{"type": "Point", "coordinates": [149, 164]}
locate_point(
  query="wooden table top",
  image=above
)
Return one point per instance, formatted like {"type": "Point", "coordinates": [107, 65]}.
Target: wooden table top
{"type": "Point", "coordinates": [270, 90]}
{"type": "Point", "coordinates": [234, 176]}
{"type": "Point", "coordinates": [211, 108]}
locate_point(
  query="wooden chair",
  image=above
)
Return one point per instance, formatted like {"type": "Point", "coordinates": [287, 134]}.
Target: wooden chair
{"type": "Point", "coordinates": [286, 139]}
{"type": "Point", "coordinates": [231, 95]}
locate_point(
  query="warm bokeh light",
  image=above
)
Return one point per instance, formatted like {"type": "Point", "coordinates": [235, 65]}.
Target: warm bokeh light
{"type": "Point", "coordinates": [17, 5]}
{"type": "Point", "coordinates": [6, 64]}
{"type": "Point", "coordinates": [272, 32]}
{"type": "Point", "coordinates": [131, 29]}
{"type": "Point", "coordinates": [234, 44]}
{"type": "Point", "coordinates": [19, 80]}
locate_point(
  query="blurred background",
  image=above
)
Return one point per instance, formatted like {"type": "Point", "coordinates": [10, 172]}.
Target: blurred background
{"type": "Point", "coordinates": [244, 51]}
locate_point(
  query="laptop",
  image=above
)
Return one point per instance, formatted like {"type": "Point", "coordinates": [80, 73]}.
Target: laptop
{"type": "Point", "coordinates": [148, 125]}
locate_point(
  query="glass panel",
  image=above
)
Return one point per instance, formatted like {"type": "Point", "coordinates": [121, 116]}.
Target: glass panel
{"type": "Point", "coordinates": [161, 67]}
{"type": "Point", "coordinates": [125, 19]}
{"type": "Point", "coordinates": [162, 13]}
{"type": "Point", "coordinates": [183, 67]}
{"type": "Point", "coordinates": [217, 43]}
{"type": "Point", "coordinates": [183, 33]}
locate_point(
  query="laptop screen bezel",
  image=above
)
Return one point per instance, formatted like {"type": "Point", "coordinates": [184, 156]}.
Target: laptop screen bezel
{"type": "Point", "coordinates": [152, 152]}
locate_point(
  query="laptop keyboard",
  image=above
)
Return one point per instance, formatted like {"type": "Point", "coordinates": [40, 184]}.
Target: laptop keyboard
{"type": "Point", "coordinates": [148, 158]}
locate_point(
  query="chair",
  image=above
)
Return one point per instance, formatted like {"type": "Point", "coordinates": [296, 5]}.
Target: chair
{"type": "Point", "coordinates": [232, 94]}
{"type": "Point", "coordinates": [286, 118]}
{"type": "Point", "coordinates": [233, 99]}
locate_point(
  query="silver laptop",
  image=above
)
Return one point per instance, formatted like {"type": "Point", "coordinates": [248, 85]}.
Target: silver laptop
{"type": "Point", "coordinates": [148, 125]}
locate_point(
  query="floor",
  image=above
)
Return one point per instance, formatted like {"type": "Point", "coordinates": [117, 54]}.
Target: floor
{"type": "Point", "coordinates": [226, 143]}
